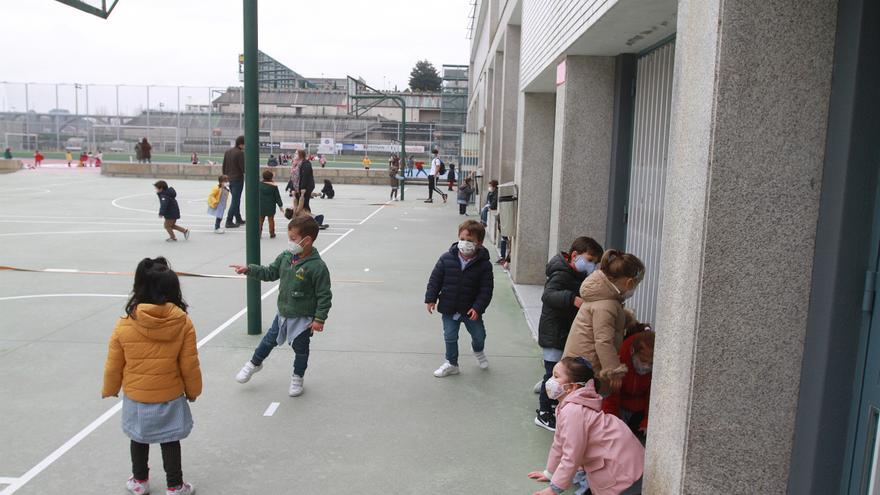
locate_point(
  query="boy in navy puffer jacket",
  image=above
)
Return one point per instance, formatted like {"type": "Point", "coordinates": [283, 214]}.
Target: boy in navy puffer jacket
{"type": "Point", "coordinates": [462, 281]}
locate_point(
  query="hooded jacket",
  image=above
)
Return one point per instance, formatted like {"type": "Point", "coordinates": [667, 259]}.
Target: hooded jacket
{"type": "Point", "coordinates": [270, 199]}
{"type": "Point", "coordinates": [558, 309]}
{"type": "Point", "coordinates": [168, 207]}
{"type": "Point", "coordinates": [153, 356]}
{"type": "Point", "coordinates": [597, 331]}
{"type": "Point", "coordinates": [600, 444]}
{"type": "Point", "coordinates": [635, 393]}
{"type": "Point", "coordinates": [460, 290]}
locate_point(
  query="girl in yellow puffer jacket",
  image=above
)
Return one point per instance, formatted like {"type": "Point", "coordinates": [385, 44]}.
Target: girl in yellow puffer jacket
{"type": "Point", "coordinates": [153, 358]}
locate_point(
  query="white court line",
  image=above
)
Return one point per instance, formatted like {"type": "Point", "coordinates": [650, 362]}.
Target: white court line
{"type": "Point", "coordinates": [377, 211]}
{"type": "Point", "coordinates": [85, 232]}
{"type": "Point", "coordinates": [94, 425]}
{"type": "Point", "coordinates": [7, 481]}
{"type": "Point", "coordinates": [37, 296]}
{"type": "Point", "coordinates": [271, 409]}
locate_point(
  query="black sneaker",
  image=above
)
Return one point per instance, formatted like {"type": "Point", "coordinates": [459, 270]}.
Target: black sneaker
{"type": "Point", "coordinates": [546, 420]}
{"type": "Point", "coordinates": [429, 201]}
{"type": "Point", "coordinates": [230, 225]}
{"type": "Point", "coordinates": [241, 222]}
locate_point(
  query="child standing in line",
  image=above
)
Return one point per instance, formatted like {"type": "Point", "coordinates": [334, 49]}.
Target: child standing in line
{"type": "Point", "coordinates": [464, 196]}
{"type": "Point", "coordinates": [83, 157]}
{"type": "Point", "coordinates": [153, 358]}
{"type": "Point", "coordinates": [217, 200]}
{"type": "Point", "coordinates": [169, 210]}
{"type": "Point", "coordinates": [304, 300]}
{"type": "Point", "coordinates": [560, 302]}
{"type": "Point", "coordinates": [269, 199]}
{"type": "Point", "coordinates": [99, 158]}
{"type": "Point", "coordinates": [462, 281]}
{"type": "Point", "coordinates": [450, 176]}
{"type": "Point", "coordinates": [588, 440]}
{"type": "Point", "coordinates": [38, 158]}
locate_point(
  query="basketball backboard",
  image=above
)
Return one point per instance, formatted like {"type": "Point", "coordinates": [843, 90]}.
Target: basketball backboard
{"type": "Point", "coordinates": [100, 8]}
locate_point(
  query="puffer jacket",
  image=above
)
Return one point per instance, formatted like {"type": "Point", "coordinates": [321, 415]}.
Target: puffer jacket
{"type": "Point", "coordinates": [460, 290]}
{"type": "Point", "coordinates": [635, 392]}
{"type": "Point", "coordinates": [168, 206]}
{"type": "Point", "coordinates": [597, 331]}
{"type": "Point", "coordinates": [600, 444]}
{"type": "Point", "coordinates": [153, 356]}
{"type": "Point", "coordinates": [558, 309]}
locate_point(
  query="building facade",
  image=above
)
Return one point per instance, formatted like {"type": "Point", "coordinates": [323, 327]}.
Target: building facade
{"type": "Point", "coordinates": [732, 146]}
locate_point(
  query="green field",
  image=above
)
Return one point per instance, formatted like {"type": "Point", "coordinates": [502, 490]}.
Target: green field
{"type": "Point", "coordinates": [346, 162]}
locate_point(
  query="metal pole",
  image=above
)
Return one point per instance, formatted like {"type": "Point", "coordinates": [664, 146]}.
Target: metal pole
{"type": "Point", "coordinates": [87, 114]}
{"type": "Point", "coordinates": [148, 113]}
{"type": "Point", "coordinates": [252, 165]}
{"type": "Point", "coordinates": [240, 105]}
{"type": "Point", "coordinates": [403, 147]}
{"type": "Point", "coordinates": [177, 134]}
{"type": "Point", "coordinates": [118, 117]}
{"type": "Point", "coordinates": [57, 125]}
{"type": "Point", "coordinates": [210, 125]}
{"type": "Point", "coordinates": [27, 115]}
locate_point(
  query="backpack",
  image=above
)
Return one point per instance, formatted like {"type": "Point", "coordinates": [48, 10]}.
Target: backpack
{"type": "Point", "coordinates": [442, 169]}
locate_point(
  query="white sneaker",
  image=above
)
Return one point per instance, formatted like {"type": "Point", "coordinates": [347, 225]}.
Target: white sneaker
{"type": "Point", "coordinates": [138, 487]}
{"type": "Point", "coordinates": [184, 489]}
{"type": "Point", "coordinates": [538, 387]}
{"type": "Point", "coordinates": [446, 369]}
{"type": "Point", "coordinates": [221, 230]}
{"type": "Point", "coordinates": [296, 386]}
{"type": "Point", "coordinates": [247, 371]}
{"type": "Point", "coordinates": [482, 360]}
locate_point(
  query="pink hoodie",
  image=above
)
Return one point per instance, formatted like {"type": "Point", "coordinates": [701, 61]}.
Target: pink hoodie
{"type": "Point", "coordinates": [599, 443]}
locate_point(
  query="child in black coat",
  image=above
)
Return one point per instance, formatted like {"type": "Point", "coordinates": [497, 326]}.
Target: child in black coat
{"type": "Point", "coordinates": [462, 281]}
{"type": "Point", "coordinates": [327, 191]}
{"type": "Point", "coordinates": [169, 210]}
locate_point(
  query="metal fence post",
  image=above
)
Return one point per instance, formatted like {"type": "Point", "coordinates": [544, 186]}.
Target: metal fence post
{"type": "Point", "coordinates": [252, 165]}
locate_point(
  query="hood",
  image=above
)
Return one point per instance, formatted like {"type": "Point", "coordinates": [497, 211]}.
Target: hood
{"type": "Point", "coordinates": [482, 253]}
{"type": "Point", "coordinates": [585, 396]}
{"type": "Point", "coordinates": [559, 263]}
{"type": "Point", "coordinates": [162, 322]}
{"type": "Point", "coordinates": [170, 192]}
{"type": "Point", "coordinates": [597, 287]}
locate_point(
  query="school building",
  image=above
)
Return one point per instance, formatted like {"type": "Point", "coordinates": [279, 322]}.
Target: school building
{"type": "Point", "coordinates": [734, 146]}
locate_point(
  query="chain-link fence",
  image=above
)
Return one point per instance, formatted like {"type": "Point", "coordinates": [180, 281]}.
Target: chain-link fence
{"type": "Point", "coordinates": [181, 120]}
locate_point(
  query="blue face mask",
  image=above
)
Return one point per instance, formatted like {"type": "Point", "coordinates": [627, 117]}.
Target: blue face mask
{"type": "Point", "coordinates": [584, 266]}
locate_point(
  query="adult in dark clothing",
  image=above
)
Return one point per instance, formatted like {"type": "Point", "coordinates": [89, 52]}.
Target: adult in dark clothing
{"type": "Point", "coordinates": [561, 301]}
{"type": "Point", "coordinates": [233, 167]}
{"type": "Point", "coordinates": [147, 151]}
{"type": "Point", "coordinates": [306, 179]}
{"type": "Point", "coordinates": [328, 191]}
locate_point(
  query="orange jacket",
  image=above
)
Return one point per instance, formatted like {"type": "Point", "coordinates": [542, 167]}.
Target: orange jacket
{"type": "Point", "coordinates": [153, 356]}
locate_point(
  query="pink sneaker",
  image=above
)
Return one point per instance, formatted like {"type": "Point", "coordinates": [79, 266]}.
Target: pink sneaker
{"type": "Point", "coordinates": [184, 489]}
{"type": "Point", "coordinates": [138, 487]}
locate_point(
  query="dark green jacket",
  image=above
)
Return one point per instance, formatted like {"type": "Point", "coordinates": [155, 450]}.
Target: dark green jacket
{"type": "Point", "coordinates": [270, 199]}
{"type": "Point", "coordinates": [305, 286]}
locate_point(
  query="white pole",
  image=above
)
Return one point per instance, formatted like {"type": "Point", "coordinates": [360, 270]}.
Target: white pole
{"type": "Point", "coordinates": [91, 144]}
{"type": "Point", "coordinates": [148, 113]}
{"type": "Point", "coordinates": [118, 117]}
{"type": "Point", "coordinates": [57, 125]}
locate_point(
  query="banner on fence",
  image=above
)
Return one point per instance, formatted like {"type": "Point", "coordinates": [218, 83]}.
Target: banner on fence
{"type": "Point", "coordinates": [327, 146]}
{"type": "Point", "coordinates": [292, 146]}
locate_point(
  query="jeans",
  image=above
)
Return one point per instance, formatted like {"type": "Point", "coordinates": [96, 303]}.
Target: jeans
{"type": "Point", "coordinates": [545, 403]}
{"type": "Point", "coordinates": [450, 335]}
{"type": "Point", "coordinates": [236, 187]}
{"type": "Point", "coordinates": [502, 246]}
{"type": "Point", "coordinates": [300, 348]}
{"type": "Point", "coordinates": [462, 209]}
{"type": "Point", "coordinates": [484, 215]}
{"type": "Point", "coordinates": [140, 454]}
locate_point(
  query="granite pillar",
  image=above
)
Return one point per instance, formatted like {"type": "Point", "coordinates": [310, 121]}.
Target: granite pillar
{"type": "Point", "coordinates": [582, 151]}
{"type": "Point", "coordinates": [497, 104]}
{"type": "Point", "coordinates": [750, 109]}
{"type": "Point", "coordinates": [509, 104]}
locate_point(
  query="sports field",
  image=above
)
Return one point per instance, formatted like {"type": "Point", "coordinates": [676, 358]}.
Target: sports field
{"type": "Point", "coordinates": [372, 420]}
{"type": "Point", "coordinates": [340, 161]}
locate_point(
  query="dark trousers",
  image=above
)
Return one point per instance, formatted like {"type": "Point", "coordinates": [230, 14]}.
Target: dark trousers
{"type": "Point", "coordinates": [300, 348]}
{"type": "Point", "coordinates": [307, 197]}
{"type": "Point", "coordinates": [432, 186]}
{"type": "Point", "coordinates": [140, 456]}
{"type": "Point", "coordinates": [236, 187]}
{"type": "Point", "coordinates": [502, 246]}
{"type": "Point", "coordinates": [217, 222]}
{"type": "Point", "coordinates": [545, 403]}
{"type": "Point", "coordinates": [462, 208]}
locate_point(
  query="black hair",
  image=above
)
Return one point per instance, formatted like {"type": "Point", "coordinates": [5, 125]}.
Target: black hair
{"type": "Point", "coordinates": [586, 245]}
{"type": "Point", "coordinates": [161, 185]}
{"type": "Point", "coordinates": [239, 141]}
{"type": "Point", "coordinates": [154, 283]}
{"type": "Point", "coordinates": [578, 369]}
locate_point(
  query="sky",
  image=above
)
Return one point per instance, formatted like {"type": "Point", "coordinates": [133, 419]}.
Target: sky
{"type": "Point", "coordinates": [197, 42]}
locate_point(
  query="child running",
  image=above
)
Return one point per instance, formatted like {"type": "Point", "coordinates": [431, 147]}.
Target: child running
{"type": "Point", "coordinates": [462, 281]}
{"type": "Point", "coordinates": [169, 210]}
{"type": "Point", "coordinates": [588, 439]}
{"type": "Point", "coordinates": [153, 358]}
{"type": "Point", "coordinates": [217, 200]}
{"type": "Point", "coordinates": [269, 199]}
{"type": "Point", "coordinates": [304, 300]}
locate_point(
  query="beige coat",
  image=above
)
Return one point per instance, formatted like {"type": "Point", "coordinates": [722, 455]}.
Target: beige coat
{"type": "Point", "coordinates": [597, 331]}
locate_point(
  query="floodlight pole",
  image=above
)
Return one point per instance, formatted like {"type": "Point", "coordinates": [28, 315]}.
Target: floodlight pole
{"type": "Point", "coordinates": [252, 163]}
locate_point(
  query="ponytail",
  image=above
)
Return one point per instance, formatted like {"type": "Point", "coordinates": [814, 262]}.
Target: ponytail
{"type": "Point", "coordinates": [617, 264]}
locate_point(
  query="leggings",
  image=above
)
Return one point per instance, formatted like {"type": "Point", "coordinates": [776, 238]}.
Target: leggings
{"type": "Point", "coordinates": [140, 454]}
{"type": "Point", "coordinates": [171, 226]}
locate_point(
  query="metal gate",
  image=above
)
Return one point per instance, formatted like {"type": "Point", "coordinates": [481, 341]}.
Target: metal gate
{"type": "Point", "coordinates": [647, 186]}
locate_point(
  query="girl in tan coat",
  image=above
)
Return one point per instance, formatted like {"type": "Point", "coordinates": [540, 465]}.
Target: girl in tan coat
{"type": "Point", "coordinates": [597, 331]}
{"type": "Point", "coordinates": [153, 358]}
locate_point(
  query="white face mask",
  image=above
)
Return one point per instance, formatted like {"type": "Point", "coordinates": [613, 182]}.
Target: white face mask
{"type": "Point", "coordinates": [556, 390]}
{"type": "Point", "coordinates": [294, 247]}
{"type": "Point", "coordinates": [466, 248]}
{"type": "Point", "coordinates": [639, 367]}
{"type": "Point", "coordinates": [226, 184]}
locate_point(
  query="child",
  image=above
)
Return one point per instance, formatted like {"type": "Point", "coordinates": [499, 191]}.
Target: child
{"type": "Point", "coordinates": [393, 170]}
{"type": "Point", "coordinates": [463, 281]}
{"type": "Point", "coordinates": [597, 331]}
{"type": "Point", "coordinates": [367, 162]}
{"type": "Point", "coordinates": [69, 157]}
{"type": "Point", "coordinates": [565, 273]}
{"type": "Point", "coordinates": [99, 158]}
{"type": "Point", "coordinates": [38, 158]}
{"type": "Point", "coordinates": [194, 158]}
{"type": "Point", "coordinates": [450, 176]}
{"type": "Point", "coordinates": [327, 191]}
{"type": "Point", "coordinates": [630, 403]}
{"type": "Point", "coordinates": [153, 357]}
{"type": "Point", "coordinates": [304, 300]}
{"type": "Point", "coordinates": [322, 160]}
{"type": "Point", "coordinates": [83, 157]}
{"type": "Point", "coordinates": [464, 196]}
{"type": "Point", "coordinates": [217, 202]}
{"type": "Point", "coordinates": [587, 439]}
{"type": "Point", "coordinates": [269, 198]}
{"type": "Point", "coordinates": [169, 210]}
{"type": "Point", "coordinates": [491, 202]}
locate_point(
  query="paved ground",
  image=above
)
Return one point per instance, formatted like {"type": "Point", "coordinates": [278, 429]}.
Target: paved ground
{"type": "Point", "coordinates": [373, 418]}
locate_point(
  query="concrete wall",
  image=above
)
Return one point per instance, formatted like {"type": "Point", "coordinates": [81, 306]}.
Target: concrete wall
{"type": "Point", "coordinates": [509, 104]}
{"type": "Point", "coordinates": [750, 109]}
{"type": "Point", "coordinates": [7, 166]}
{"type": "Point", "coordinates": [377, 177]}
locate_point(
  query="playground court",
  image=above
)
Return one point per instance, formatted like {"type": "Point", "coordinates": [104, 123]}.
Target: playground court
{"type": "Point", "coordinates": [372, 420]}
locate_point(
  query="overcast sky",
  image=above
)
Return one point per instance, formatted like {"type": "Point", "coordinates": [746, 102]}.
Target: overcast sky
{"type": "Point", "coordinates": [197, 42]}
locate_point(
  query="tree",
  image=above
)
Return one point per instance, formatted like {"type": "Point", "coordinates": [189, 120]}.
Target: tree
{"type": "Point", "coordinates": [424, 77]}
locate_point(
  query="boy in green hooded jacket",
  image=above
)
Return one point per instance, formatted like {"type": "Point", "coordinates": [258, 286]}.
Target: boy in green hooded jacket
{"type": "Point", "coordinates": [304, 300]}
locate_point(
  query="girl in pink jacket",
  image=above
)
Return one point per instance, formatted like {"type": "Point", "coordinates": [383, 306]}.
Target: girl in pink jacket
{"type": "Point", "coordinates": [586, 438]}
